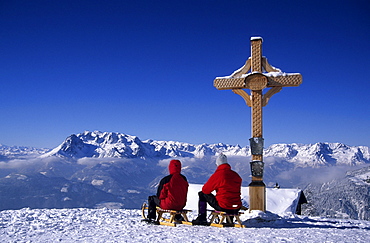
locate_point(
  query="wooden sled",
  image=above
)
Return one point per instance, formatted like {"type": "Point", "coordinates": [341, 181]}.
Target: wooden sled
{"type": "Point", "coordinates": [222, 219]}
{"type": "Point", "coordinates": [170, 219]}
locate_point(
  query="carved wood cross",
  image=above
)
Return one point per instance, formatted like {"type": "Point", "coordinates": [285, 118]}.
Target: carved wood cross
{"type": "Point", "coordinates": [256, 75]}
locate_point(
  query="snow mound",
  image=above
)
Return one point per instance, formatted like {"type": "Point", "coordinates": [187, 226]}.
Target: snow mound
{"type": "Point", "coordinates": [278, 201]}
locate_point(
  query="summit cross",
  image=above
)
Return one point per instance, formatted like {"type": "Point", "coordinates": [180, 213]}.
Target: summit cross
{"type": "Point", "coordinates": [256, 75]}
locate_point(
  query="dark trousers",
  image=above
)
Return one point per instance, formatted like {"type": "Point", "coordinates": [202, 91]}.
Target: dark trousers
{"type": "Point", "coordinates": [153, 202]}
{"type": "Point", "coordinates": [212, 201]}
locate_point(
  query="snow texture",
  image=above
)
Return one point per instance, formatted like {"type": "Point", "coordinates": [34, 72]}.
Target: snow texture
{"type": "Point", "coordinates": [256, 38]}
{"type": "Point", "coordinates": [123, 225]}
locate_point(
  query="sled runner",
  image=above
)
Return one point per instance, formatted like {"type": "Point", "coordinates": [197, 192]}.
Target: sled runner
{"type": "Point", "coordinates": [222, 219]}
{"type": "Point", "coordinates": [171, 216]}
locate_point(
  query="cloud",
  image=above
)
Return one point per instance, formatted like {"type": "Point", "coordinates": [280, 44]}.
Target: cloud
{"type": "Point", "coordinates": [304, 176]}
{"type": "Point", "coordinates": [90, 161]}
{"type": "Point", "coordinates": [94, 161]}
{"type": "Point", "coordinates": [185, 161]}
{"type": "Point", "coordinates": [21, 163]}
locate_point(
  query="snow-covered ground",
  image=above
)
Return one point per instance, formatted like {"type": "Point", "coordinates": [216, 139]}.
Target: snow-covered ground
{"type": "Point", "coordinates": [122, 225]}
{"type": "Point", "coordinates": [278, 224]}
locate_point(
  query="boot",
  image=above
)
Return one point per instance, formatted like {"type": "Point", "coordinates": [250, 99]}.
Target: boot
{"type": "Point", "coordinates": [151, 214]}
{"type": "Point", "coordinates": [150, 221]}
{"type": "Point", "coordinates": [152, 208]}
{"type": "Point", "coordinates": [200, 220]}
{"type": "Point", "coordinates": [151, 218]}
{"type": "Point", "coordinates": [202, 216]}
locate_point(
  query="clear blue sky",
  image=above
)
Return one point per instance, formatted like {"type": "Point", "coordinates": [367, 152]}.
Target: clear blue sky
{"type": "Point", "coordinates": [146, 68]}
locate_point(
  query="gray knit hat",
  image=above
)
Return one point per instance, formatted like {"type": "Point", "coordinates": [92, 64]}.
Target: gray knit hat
{"type": "Point", "coordinates": [221, 159]}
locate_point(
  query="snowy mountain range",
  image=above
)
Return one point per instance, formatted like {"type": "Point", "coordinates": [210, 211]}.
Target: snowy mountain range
{"type": "Point", "coordinates": [19, 152]}
{"type": "Point", "coordinates": [117, 145]}
{"type": "Point", "coordinates": [124, 169]}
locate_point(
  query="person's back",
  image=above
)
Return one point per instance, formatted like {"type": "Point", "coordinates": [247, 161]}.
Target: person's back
{"type": "Point", "coordinates": [171, 193]}
{"type": "Point", "coordinates": [227, 184]}
{"type": "Point", "coordinates": [173, 189]}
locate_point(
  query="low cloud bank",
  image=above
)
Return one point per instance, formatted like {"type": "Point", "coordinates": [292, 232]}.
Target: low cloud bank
{"type": "Point", "coordinates": [197, 170]}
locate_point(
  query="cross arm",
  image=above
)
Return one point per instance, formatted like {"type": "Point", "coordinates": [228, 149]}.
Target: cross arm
{"type": "Point", "coordinates": [229, 83]}
{"type": "Point", "coordinates": [274, 79]}
{"type": "Point", "coordinates": [283, 79]}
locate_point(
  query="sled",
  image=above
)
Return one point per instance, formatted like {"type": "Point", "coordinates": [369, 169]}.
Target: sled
{"type": "Point", "coordinates": [222, 219]}
{"type": "Point", "coordinates": [167, 216]}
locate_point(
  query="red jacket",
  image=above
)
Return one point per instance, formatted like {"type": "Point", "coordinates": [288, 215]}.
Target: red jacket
{"type": "Point", "coordinates": [173, 189]}
{"type": "Point", "coordinates": [227, 184]}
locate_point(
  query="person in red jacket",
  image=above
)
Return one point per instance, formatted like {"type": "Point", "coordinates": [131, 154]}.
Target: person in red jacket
{"type": "Point", "coordinates": [227, 184]}
{"type": "Point", "coordinates": [171, 193]}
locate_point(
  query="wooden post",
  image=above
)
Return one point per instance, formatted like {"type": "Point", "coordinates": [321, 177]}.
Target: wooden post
{"type": "Point", "coordinates": [256, 81]}
{"type": "Point", "coordinates": [257, 188]}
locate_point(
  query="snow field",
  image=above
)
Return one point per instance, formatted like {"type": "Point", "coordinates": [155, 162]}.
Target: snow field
{"type": "Point", "coordinates": [122, 225]}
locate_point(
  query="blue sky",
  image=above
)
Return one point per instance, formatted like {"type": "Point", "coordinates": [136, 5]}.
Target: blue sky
{"type": "Point", "coordinates": [146, 68]}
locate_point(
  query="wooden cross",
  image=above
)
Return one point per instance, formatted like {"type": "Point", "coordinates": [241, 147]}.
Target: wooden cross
{"type": "Point", "coordinates": [256, 75]}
